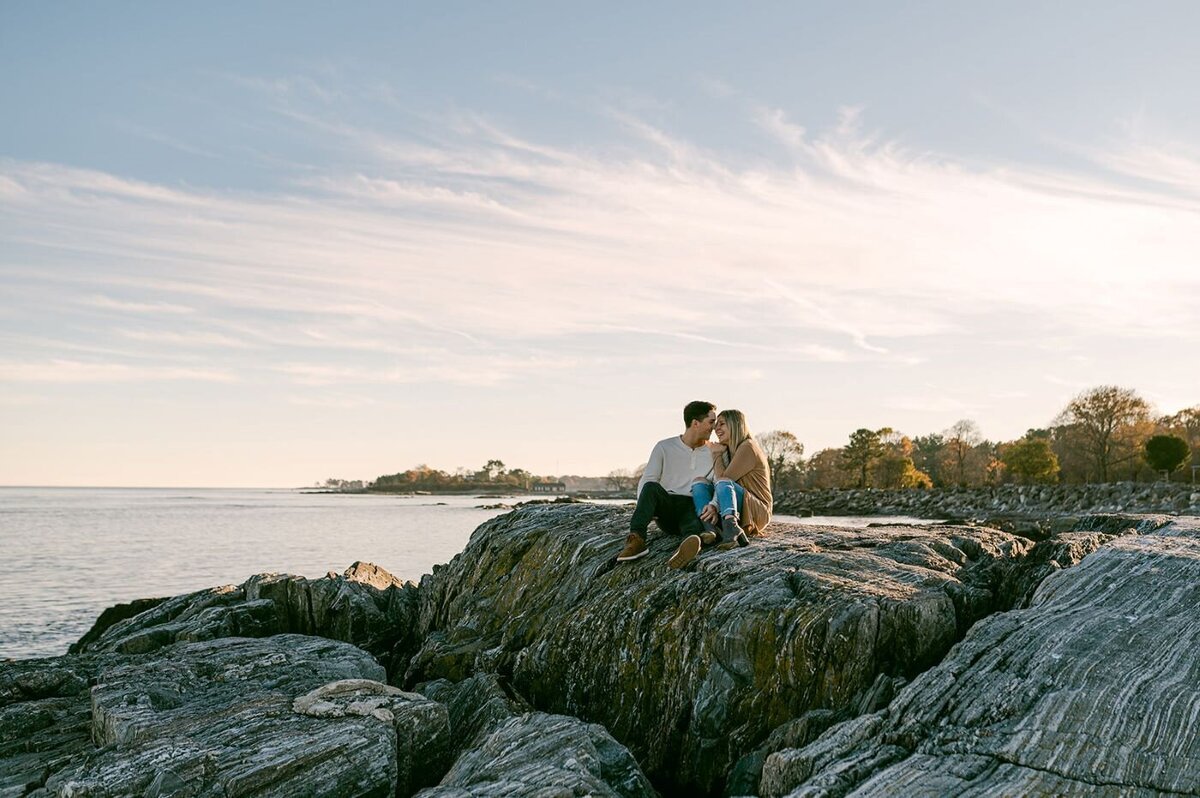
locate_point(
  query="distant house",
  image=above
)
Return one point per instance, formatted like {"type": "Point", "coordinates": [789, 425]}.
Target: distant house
{"type": "Point", "coordinates": [548, 487]}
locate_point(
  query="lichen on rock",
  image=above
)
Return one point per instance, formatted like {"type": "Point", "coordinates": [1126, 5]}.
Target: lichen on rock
{"type": "Point", "coordinates": [693, 669]}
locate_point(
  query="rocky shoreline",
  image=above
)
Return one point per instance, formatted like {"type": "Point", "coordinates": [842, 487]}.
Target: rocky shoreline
{"type": "Point", "coordinates": [1002, 501]}
{"type": "Point", "coordinates": [893, 660]}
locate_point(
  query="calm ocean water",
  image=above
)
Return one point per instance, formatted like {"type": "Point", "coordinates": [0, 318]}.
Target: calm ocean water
{"type": "Point", "coordinates": [69, 553]}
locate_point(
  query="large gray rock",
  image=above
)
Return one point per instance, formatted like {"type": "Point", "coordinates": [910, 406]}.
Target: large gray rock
{"type": "Point", "coordinates": [1094, 689]}
{"type": "Point", "coordinates": [45, 719]}
{"type": "Point", "coordinates": [546, 756]}
{"type": "Point", "coordinates": [424, 745]}
{"type": "Point", "coordinates": [693, 669]}
{"type": "Point", "coordinates": [281, 716]}
{"type": "Point", "coordinates": [503, 749]}
{"type": "Point", "coordinates": [365, 606]}
{"type": "Point", "coordinates": [216, 718]}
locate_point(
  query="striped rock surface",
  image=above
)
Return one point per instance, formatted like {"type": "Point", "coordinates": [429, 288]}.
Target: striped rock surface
{"type": "Point", "coordinates": [1094, 689]}
{"type": "Point", "coordinates": [693, 669]}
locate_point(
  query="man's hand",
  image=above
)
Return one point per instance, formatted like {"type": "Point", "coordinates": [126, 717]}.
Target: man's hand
{"type": "Point", "coordinates": [709, 514]}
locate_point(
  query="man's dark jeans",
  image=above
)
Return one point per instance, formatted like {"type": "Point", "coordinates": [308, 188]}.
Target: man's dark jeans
{"type": "Point", "coordinates": [675, 514]}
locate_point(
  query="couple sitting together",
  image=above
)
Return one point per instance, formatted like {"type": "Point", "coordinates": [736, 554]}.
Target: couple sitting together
{"type": "Point", "coordinates": [711, 493]}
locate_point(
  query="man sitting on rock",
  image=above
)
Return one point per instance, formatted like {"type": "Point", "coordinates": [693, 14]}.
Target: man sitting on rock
{"type": "Point", "coordinates": [665, 491]}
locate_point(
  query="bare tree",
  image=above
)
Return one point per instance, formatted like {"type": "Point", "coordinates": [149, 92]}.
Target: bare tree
{"type": "Point", "coordinates": [1109, 422]}
{"type": "Point", "coordinates": [621, 480]}
{"type": "Point", "coordinates": [785, 456]}
{"type": "Point", "coordinates": [960, 439]}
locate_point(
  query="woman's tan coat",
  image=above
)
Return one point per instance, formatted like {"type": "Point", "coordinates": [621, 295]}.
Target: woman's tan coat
{"type": "Point", "coordinates": [749, 468]}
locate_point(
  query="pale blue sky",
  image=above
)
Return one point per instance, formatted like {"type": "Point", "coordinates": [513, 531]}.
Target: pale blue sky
{"type": "Point", "coordinates": [261, 244]}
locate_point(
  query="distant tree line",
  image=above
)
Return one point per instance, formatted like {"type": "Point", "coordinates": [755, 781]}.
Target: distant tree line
{"type": "Point", "coordinates": [1105, 434]}
{"type": "Point", "coordinates": [494, 474]}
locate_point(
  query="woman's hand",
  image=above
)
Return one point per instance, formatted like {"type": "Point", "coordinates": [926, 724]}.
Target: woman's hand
{"type": "Point", "coordinates": [716, 449]}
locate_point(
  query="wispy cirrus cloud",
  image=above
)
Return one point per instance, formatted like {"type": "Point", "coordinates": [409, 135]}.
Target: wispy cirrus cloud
{"type": "Point", "coordinates": [477, 242]}
{"type": "Point", "coordinates": [425, 368]}
{"type": "Point", "coordinates": [108, 303]}
{"type": "Point", "coordinates": [77, 371]}
{"type": "Point", "coordinates": [189, 338]}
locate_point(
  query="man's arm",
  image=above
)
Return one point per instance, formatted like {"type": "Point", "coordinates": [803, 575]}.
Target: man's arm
{"type": "Point", "coordinates": [654, 467]}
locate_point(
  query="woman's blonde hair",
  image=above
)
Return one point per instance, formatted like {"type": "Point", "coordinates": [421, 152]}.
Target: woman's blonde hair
{"type": "Point", "coordinates": [735, 422]}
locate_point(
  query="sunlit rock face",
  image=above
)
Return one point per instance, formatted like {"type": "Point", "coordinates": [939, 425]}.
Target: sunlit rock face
{"type": "Point", "coordinates": [1094, 689]}
{"type": "Point", "coordinates": [693, 669]}
{"type": "Point", "coordinates": [365, 605]}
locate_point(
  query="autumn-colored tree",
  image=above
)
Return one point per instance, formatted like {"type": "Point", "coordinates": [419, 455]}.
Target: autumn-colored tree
{"type": "Point", "coordinates": [785, 456]}
{"type": "Point", "coordinates": [1166, 453]}
{"type": "Point", "coordinates": [896, 471]}
{"type": "Point", "coordinates": [825, 469]}
{"type": "Point", "coordinates": [895, 468]}
{"type": "Point", "coordinates": [1030, 461]}
{"type": "Point", "coordinates": [1109, 423]}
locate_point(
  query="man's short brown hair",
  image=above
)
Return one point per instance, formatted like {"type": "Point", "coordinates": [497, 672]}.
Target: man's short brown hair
{"type": "Point", "coordinates": [695, 411]}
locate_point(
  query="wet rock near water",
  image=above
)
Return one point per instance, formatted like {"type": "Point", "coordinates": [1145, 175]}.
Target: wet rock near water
{"type": "Point", "coordinates": [364, 605]}
{"type": "Point", "coordinates": [1090, 690]}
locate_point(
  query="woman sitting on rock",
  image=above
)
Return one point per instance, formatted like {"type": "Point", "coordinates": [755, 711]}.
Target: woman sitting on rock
{"type": "Point", "coordinates": [741, 496]}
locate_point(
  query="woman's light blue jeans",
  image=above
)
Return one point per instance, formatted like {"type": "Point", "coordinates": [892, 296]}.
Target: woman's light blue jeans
{"type": "Point", "coordinates": [730, 496]}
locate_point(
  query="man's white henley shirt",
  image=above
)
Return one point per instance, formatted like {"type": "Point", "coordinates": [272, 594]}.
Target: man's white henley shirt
{"type": "Point", "coordinates": [674, 465]}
